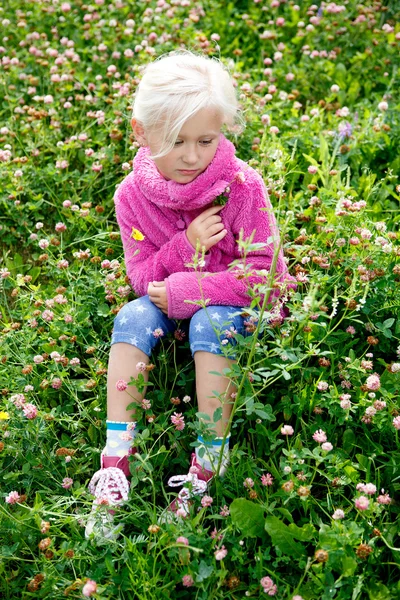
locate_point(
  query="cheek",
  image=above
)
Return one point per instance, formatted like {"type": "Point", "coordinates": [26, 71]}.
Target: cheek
{"type": "Point", "coordinates": [211, 152]}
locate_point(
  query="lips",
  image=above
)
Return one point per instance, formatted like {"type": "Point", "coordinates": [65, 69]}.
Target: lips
{"type": "Point", "coordinates": [187, 172]}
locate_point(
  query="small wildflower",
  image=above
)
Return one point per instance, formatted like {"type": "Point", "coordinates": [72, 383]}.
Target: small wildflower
{"type": "Point", "coordinates": [384, 499]}
{"type": "Point", "coordinates": [321, 556]}
{"type": "Point", "coordinates": [224, 512]}
{"type": "Point", "coordinates": [366, 488]}
{"type": "Point", "coordinates": [220, 553]}
{"type": "Point", "coordinates": [182, 540]}
{"type": "Point", "coordinates": [153, 528]}
{"type": "Point", "coordinates": [267, 479]}
{"type": "Point", "coordinates": [363, 551]}
{"type": "Point", "coordinates": [320, 436]}
{"type": "Point", "coordinates": [338, 514]}
{"type": "Point", "coordinates": [121, 385]}
{"type": "Point", "coordinates": [179, 335]}
{"type": "Point", "coordinates": [396, 422]}
{"type": "Point", "coordinates": [248, 483]}
{"type": "Point", "coordinates": [206, 501]}
{"type": "Point", "coordinates": [322, 386]}
{"type": "Point", "coordinates": [373, 383]}
{"type": "Point", "coordinates": [268, 586]}
{"type": "Point", "coordinates": [44, 526]}
{"type": "Point", "coordinates": [327, 446]}
{"type": "Point", "coordinates": [67, 483]}
{"type": "Point", "coordinates": [178, 420]}
{"type": "Point", "coordinates": [44, 544]}
{"type": "Point", "coordinates": [30, 411]}
{"type": "Point", "coordinates": [13, 498]}
{"type": "Point", "coordinates": [187, 580]}
{"type": "Point", "coordinates": [137, 235]}
{"type": "Point", "coordinates": [89, 588]}
{"type": "Point", "coordinates": [287, 430]}
{"type": "Point", "coordinates": [157, 333]}
{"type": "Point", "coordinates": [288, 486]}
{"type": "Point", "coordinates": [362, 503]}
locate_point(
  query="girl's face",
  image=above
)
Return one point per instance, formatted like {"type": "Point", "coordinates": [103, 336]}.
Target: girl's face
{"type": "Point", "coordinates": [194, 149]}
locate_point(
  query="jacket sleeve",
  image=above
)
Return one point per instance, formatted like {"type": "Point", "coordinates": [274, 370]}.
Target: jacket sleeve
{"type": "Point", "coordinates": [144, 261]}
{"type": "Point", "coordinates": [253, 217]}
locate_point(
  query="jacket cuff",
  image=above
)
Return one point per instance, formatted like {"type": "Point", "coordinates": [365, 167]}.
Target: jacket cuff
{"type": "Point", "coordinates": [187, 252]}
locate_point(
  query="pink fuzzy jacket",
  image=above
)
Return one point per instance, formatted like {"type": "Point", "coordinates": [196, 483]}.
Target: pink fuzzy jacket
{"type": "Point", "coordinates": [162, 210]}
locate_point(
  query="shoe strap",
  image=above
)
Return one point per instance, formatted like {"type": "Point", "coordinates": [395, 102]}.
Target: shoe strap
{"type": "Point", "coordinates": [107, 483]}
{"type": "Point", "coordinates": [198, 486]}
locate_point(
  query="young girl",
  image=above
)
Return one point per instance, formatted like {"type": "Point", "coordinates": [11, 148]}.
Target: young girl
{"type": "Point", "coordinates": [165, 209]}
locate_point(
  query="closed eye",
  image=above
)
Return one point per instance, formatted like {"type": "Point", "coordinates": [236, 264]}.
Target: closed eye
{"type": "Point", "coordinates": [202, 142]}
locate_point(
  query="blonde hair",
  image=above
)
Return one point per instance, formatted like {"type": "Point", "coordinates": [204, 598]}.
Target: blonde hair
{"type": "Point", "coordinates": [175, 87]}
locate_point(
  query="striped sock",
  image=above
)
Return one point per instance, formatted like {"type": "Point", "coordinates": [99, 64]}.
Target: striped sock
{"type": "Point", "coordinates": [120, 436]}
{"type": "Point", "coordinates": [208, 454]}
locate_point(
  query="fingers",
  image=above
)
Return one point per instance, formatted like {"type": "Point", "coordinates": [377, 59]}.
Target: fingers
{"type": "Point", "coordinates": [216, 238]}
{"type": "Point", "coordinates": [209, 212]}
{"type": "Point", "coordinates": [211, 220]}
{"type": "Point", "coordinates": [213, 229]}
{"type": "Point", "coordinates": [158, 283]}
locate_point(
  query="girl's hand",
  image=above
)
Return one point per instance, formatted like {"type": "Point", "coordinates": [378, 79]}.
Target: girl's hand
{"type": "Point", "coordinates": [207, 228]}
{"type": "Point", "coordinates": [157, 291]}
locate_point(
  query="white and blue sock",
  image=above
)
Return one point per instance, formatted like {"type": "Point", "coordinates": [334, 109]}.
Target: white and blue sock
{"type": "Point", "coordinates": [208, 453]}
{"type": "Point", "coordinates": [120, 436]}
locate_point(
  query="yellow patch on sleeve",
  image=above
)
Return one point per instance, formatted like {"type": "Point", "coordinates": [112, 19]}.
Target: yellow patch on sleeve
{"type": "Point", "coordinates": [137, 235]}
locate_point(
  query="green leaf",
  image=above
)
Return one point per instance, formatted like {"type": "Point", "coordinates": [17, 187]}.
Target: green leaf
{"type": "Point", "coordinates": [103, 310]}
{"type": "Point", "coordinates": [205, 571]}
{"type": "Point", "coordinates": [217, 416]}
{"type": "Point", "coordinates": [248, 517]}
{"type": "Point", "coordinates": [282, 537]}
{"type": "Point", "coordinates": [323, 150]}
{"type": "Point", "coordinates": [349, 565]}
{"type": "Point", "coordinates": [351, 473]}
{"type": "Point", "coordinates": [362, 461]}
{"type": "Point", "coordinates": [203, 416]}
{"type": "Point", "coordinates": [311, 160]}
{"type": "Point", "coordinates": [92, 432]}
{"type": "Point", "coordinates": [388, 323]}
{"type": "Point", "coordinates": [304, 534]}
{"type": "Point", "coordinates": [267, 416]}
{"type": "Point", "coordinates": [377, 591]}
{"type": "Point", "coordinates": [349, 440]}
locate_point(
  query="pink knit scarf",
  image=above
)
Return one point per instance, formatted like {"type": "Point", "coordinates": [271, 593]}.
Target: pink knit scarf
{"type": "Point", "coordinates": [196, 194]}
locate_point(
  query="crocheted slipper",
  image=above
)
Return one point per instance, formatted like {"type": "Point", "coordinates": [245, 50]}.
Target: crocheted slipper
{"type": "Point", "coordinates": [110, 487]}
{"type": "Point", "coordinates": [195, 484]}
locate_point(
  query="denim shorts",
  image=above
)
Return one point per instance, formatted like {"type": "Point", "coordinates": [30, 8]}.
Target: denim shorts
{"type": "Point", "coordinates": [141, 324]}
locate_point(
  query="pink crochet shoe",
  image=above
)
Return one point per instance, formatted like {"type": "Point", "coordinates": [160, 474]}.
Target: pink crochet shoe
{"type": "Point", "coordinates": [195, 485]}
{"type": "Point", "coordinates": [110, 487]}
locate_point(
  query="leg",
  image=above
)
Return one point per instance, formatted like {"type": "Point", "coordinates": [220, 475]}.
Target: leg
{"type": "Point", "coordinates": [210, 329]}
{"type": "Point", "coordinates": [207, 384]}
{"type": "Point", "coordinates": [132, 342]}
{"type": "Point", "coordinates": [122, 365]}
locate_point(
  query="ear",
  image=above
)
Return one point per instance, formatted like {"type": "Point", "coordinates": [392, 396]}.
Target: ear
{"type": "Point", "coordinates": [139, 132]}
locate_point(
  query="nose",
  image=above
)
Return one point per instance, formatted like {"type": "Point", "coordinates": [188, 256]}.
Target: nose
{"type": "Point", "coordinates": [190, 155]}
